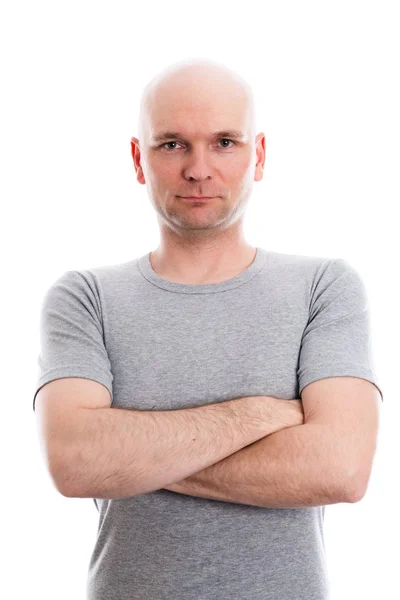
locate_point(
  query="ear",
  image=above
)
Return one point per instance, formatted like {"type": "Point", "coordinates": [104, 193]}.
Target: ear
{"type": "Point", "coordinates": [260, 154]}
{"type": "Point", "coordinates": [134, 145]}
{"type": "Point", "coordinates": [135, 151]}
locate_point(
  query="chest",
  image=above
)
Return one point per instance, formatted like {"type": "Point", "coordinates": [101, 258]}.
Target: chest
{"type": "Point", "coordinates": [169, 355]}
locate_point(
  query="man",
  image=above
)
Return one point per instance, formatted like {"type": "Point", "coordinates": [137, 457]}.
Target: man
{"type": "Point", "coordinates": [209, 473]}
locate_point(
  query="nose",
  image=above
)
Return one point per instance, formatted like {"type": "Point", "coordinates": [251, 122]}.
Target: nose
{"type": "Point", "coordinates": [198, 166]}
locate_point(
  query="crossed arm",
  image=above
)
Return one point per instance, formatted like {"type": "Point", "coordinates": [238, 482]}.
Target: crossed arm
{"type": "Point", "coordinates": [287, 469]}
{"type": "Point", "coordinates": [326, 460]}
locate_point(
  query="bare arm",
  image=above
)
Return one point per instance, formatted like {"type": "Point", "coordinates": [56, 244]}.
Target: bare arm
{"type": "Point", "coordinates": [294, 467]}
{"type": "Point", "coordinates": [117, 453]}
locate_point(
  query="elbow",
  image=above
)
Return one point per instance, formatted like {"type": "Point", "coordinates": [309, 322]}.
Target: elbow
{"type": "Point", "coordinates": [353, 493]}
{"type": "Point", "coordinates": [69, 487]}
{"type": "Point", "coordinates": [360, 481]}
{"type": "Point", "coordinates": [64, 491]}
{"type": "Point", "coordinates": [65, 488]}
{"type": "Point", "coordinates": [355, 489]}
{"type": "Point", "coordinates": [63, 478]}
{"type": "Point", "coordinates": [60, 483]}
{"type": "Point", "coordinates": [345, 486]}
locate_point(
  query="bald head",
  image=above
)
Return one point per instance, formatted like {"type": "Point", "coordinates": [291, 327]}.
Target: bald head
{"type": "Point", "coordinates": [207, 112]}
{"type": "Point", "coordinates": [204, 89]}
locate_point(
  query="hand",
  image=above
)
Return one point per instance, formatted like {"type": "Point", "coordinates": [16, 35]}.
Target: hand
{"type": "Point", "coordinates": [295, 411]}
{"type": "Point", "coordinates": [281, 412]}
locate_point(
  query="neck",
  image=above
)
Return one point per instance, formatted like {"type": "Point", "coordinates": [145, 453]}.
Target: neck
{"type": "Point", "coordinates": [211, 263]}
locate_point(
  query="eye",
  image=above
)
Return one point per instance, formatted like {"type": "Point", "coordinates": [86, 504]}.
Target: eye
{"type": "Point", "coordinates": [162, 145]}
{"type": "Point", "coordinates": [222, 139]}
{"type": "Point", "coordinates": [227, 140]}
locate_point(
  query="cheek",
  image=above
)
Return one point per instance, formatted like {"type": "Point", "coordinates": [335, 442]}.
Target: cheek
{"type": "Point", "coordinates": [237, 169]}
{"type": "Point", "coordinates": [163, 172]}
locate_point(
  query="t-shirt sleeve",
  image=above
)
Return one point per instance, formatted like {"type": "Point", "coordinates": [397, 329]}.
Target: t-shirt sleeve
{"type": "Point", "coordinates": [71, 332]}
{"type": "Point", "coordinates": [337, 338]}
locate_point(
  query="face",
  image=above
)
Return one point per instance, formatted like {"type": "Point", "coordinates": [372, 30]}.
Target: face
{"type": "Point", "coordinates": [206, 149]}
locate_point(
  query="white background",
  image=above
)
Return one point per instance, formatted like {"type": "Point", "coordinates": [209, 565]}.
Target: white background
{"type": "Point", "coordinates": [326, 80]}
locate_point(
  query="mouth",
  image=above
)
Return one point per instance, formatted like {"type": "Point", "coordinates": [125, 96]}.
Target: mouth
{"type": "Point", "coordinates": [197, 198]}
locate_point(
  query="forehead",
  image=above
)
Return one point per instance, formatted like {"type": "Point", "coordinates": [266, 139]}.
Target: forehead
{"type": "Point", "coordinates": [194, 112]}
{"type": "Point", "coordinates": [164, 134]}
{"type": "Point", "coordinates": [196, 121]}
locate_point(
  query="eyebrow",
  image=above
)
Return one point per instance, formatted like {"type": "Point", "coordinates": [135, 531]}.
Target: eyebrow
{"type": "Point", "coordinates": [231, 133]}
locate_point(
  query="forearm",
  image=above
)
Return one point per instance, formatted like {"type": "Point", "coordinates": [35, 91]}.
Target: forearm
{"type": "Point", "coordinates": [117, 453]}
{"type": "Point", "coordinates": [291, 468]}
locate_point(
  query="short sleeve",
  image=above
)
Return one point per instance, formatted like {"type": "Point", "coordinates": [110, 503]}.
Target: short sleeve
{"type": "Point", "coordinates": [337, 338]}
{"type": "Point", "coordinates": [71, 332]}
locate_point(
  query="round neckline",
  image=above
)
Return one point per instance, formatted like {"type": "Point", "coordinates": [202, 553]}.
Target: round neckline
{"type": "Point", "coordinates": [148, 273]}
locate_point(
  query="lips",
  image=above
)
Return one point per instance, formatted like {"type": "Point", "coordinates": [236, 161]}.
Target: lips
{"type": "Point", "coordinates": [197, 200]}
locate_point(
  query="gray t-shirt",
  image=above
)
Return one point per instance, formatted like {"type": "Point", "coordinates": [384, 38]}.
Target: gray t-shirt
{"type": "Point", "coordinates": [286, 321]}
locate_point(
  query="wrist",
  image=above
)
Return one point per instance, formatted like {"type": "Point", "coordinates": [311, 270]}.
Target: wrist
{"type": "Point", "coordinates": [279, 413]}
